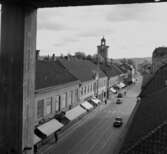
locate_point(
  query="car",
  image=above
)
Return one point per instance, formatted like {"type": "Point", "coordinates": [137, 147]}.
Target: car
{"type": "Point", "coordinates": [118, 122]}
{"type": "Point", "coordinates": [118, 101]}
{"type": "Point", "coordinates": [120, 95]}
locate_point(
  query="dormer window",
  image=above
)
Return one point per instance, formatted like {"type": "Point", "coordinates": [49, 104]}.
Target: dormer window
{"type": "Point", "coordinates": [165, 83]}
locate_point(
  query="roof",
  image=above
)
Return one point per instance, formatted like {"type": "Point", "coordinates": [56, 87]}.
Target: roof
{"type": "Point", "coordinates": [50, 73]}
{"type": "Point", "coordinates": [154, 143]}
{"type": "Point", "coordinates": [150, 114]}
{"type": "Point", "coordinates": [82, 69]}
{"type": "Point", "coordinates": [160, 52]}
{"type": "Point", "coordinates": [146, 79]}
{"type": "Point", "coordinates": [122, 68]}
{"type": "Point", "coordinates": [110, 70]}
{"type": "Point", "coordinates": [156, 82]}
{"type": "Point", "coordinates": [54, 3]}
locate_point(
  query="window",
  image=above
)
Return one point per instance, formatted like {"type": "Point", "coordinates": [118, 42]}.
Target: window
{"type": "Point", "coordinates": [72, 97]}
{"type": "Point", "coordinates": [66, 99]}
{"type": "Point", "coordinates": [85, 90]}
{"type": "Point", "coordinates": [88, 88]}
{"type": "Point", "coordinates": [76, 95]}
{"type": "Point", "coordinates": [63, 101]}
{"type": "Point", "coordinates": [40, 108]}
{"type": "Point", "coordinates": [82, 91]}
{"type": "Point", "coordinates": [166, 83]}
{"type": "Point", "coordinates": [49, 105]}
{"type": "Point", "coordinates": [57, 103]}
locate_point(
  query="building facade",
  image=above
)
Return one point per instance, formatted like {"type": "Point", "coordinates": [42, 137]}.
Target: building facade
{"type": "Point", "coordinates": [56, 91]}
{"type": "Point", "coordinates": [93, 80]}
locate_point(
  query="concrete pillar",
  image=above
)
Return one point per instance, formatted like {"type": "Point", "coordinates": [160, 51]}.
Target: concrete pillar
{"type": "Point", "coordinates": [17, 76]}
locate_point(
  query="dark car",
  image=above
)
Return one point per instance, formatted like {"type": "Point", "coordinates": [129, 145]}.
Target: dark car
{"type": "Point", "coordinates": [118, 122]}
{"type": "Point", "coordinates": [118, 101]}
{"type": "Point", "coordinates": [120, 95]}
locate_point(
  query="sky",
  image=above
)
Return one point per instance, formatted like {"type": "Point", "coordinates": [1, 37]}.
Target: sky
{"type": "Point", "coordinates": [132, 30]}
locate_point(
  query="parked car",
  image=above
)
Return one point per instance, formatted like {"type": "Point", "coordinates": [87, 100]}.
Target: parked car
{"type": "Point", "coordinates": [118, 101]}
{"type": "Point", "coordinates": [120, 95]}
{"type": "Point", "coordinates": [118, 122]}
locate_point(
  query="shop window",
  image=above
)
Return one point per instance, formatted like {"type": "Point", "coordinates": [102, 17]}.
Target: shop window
{"type": "Point", "coordinates": [40, 108]}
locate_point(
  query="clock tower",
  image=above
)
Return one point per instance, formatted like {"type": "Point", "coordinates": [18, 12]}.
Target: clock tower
{"type": "Point", "coordinates": [102, 50]}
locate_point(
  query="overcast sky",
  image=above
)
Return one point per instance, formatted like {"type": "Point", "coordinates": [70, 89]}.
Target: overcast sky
{"type": "Point", "coordinates": [130, 30]}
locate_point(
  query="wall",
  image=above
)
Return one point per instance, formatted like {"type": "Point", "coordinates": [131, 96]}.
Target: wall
{"type": "Point", "coordinates": [66, 92]}
{"type": "Point", "coordinates": [87, 88]}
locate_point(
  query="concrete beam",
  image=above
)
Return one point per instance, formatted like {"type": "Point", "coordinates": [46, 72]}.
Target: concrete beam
{"type": "Point", "coordinates": [59, 3]}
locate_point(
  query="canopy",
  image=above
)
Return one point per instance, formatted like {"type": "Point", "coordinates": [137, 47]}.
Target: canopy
{"type": "Point", "coordinates": [50, 127]}
{"type": "Point", "coordinates": [95, 100]}
{"type": "Point", "coordinates": [113, 90]}
{"type": "Point", "coordinates": [75, 112]}
{"type": "Point", "coordinates": [86, 105]}
{"type": "Point", "coordinates": [36, 139]}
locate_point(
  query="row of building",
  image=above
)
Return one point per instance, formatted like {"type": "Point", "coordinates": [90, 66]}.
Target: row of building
{"type": "Point", "coordinates": [66, 85]}
{"type": "Point", "coordinates": [147, 128]}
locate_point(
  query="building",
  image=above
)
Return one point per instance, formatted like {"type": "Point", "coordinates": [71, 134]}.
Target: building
{"type": "Point", "coordinates": [56, 90]}
{"type": "Point", "coordinates": [156, 82]}
{"type": "Point", "coordinates": [159, 58]}
{"type": "Point", "coordinates": [146, 129]}
{"type": "Point", "coordinates": [93, 80]}
{"type": "Point", "coordinates": [113, 74]}
{"type": "Point", "coordinates": [102, 51]}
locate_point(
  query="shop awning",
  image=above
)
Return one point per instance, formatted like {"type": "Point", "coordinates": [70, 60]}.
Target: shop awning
{"type": "Point", "coordinates": [113, 90]}
{"type": "Point", "coordinates": [86, 105]}
{"type": "Point", "coordinates": [96, 101]}
{"type": "Point", "coordinates": [36, 139]}
{"type": "Point", "coordinates": [122, 85]}
{"type": "Point", "coordinates": [75, 112]}
{"type": "Point", "coordinates": [50, 127]}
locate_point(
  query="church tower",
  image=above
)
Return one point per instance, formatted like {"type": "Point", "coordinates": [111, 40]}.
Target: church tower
{"type": "Point", "coordinates": [102, 50]}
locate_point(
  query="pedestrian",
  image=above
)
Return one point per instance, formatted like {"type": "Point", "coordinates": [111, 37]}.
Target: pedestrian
{"type": "Point", "coordinates": [56, 137]}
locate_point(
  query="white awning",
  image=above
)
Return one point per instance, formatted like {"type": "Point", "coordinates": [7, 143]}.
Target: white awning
{"type": "Point", "coordinates": [122, 85]}
{"type": "Point", "coordinates": [75, 112]}
{"type": "Point", "coordinates": [50, 127]}
{"type": "Point", "coordinates": [86, 105]}
{"type": "Point", "coordinates": [95, 100]}
{"type": "Point", "coordinates": [113, 90]}
{"type": "Point", "coordinates": [36, 139]}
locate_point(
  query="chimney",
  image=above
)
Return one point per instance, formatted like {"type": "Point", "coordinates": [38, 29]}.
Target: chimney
{"type": "Point", "coordinates": [37, 54]}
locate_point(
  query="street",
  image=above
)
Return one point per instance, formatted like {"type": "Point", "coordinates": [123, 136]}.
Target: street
{"type": "Point", "coordinates": [95, 134]}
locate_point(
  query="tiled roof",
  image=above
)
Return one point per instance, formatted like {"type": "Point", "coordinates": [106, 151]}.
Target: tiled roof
{"type": "Point", "coordinates": [122, 68]}
{"type": "Point", "coordinates": [156, 82]}
{"type": "Point", "coordinates": [110, 70]}
{"type": "Point", "coordinates": [160, 52]}
{"type": "Point", "coordinates": [81, 69]}
{"type": "Point", "coordinates": [150, 113]}
{"type": "Point", "coordinates": [154, 143]}
{"type": "Point", "coordinates": [50, 73]}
